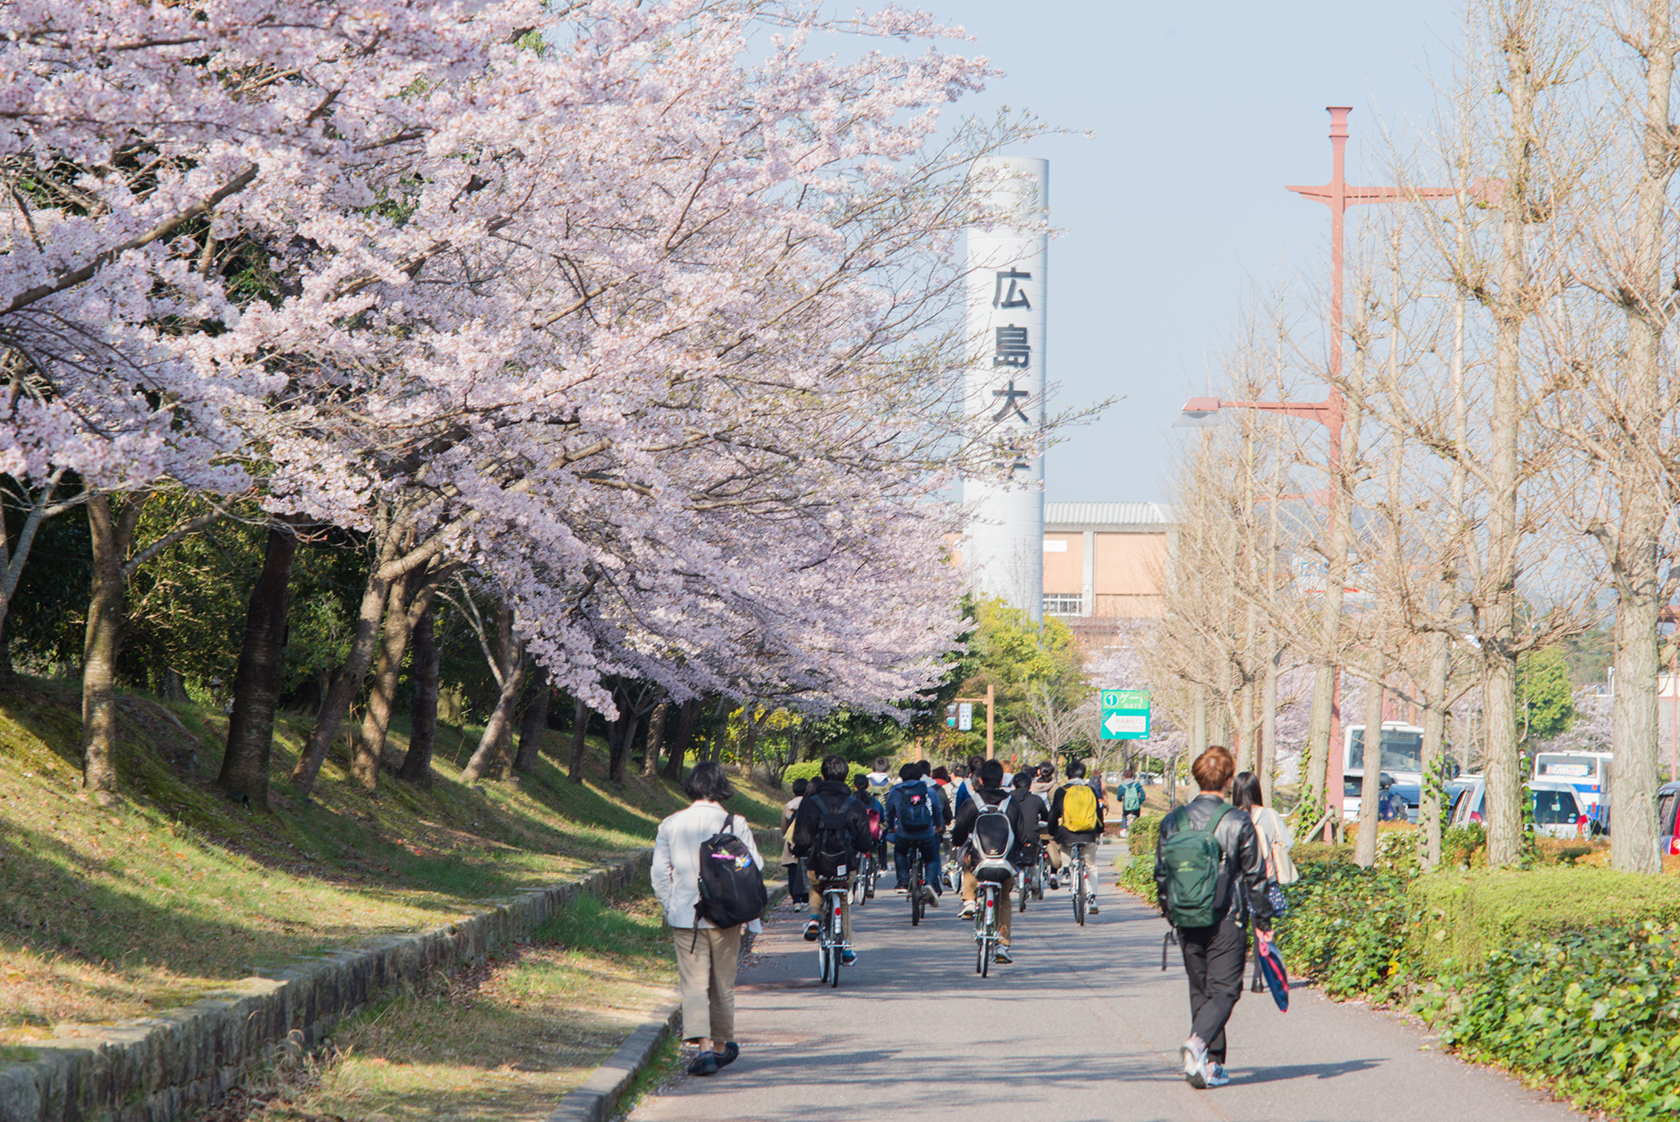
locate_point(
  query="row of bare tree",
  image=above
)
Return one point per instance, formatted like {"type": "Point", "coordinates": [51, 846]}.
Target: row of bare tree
{"type": "Point", "coordinates": [1508, 447]}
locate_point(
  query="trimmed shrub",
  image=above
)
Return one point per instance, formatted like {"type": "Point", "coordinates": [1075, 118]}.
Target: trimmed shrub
{"type": "Point", "coordinates": [1346, 927]}
{"type": "Point", "coordinates": [1307, 853]}
{"type": "Point", "coordinates": [1596, 1013]}
{"type": "Point", "coordinates": [1138, 877]}
{"type": "Point", "coordinates": [1144, 833]}
{"type": "Point", "coordinates": [810, 769]}
{"type": "Point", "coordinates": [1466, 917]}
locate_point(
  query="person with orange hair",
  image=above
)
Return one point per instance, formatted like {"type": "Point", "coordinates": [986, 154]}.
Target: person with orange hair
{"type": "Point", "coordinates": [1210, 874]}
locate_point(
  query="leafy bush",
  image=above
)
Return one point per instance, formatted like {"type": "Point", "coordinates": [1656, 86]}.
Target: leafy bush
{"type": "Point", "coordinates": [1310, 852]}
{"type": "Point", "coordinates": [1465, 917]}
{"type": "Point", "coordinates": [1346, 927]}
{"type": "Point", "coordinates": [1138, 877]}
{"type": "Point", "coordinates": [1597, 1012]}
{"type": "Point", "coordinates": [810, 769]}
{"type": "Point", "coordinates": [1464, 846]}
{"type": "Point", "coordinates": [1144, 833]}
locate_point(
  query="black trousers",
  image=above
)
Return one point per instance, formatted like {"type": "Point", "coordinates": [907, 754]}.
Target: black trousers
{"type": "Point", "coordinates": [1213, 961]}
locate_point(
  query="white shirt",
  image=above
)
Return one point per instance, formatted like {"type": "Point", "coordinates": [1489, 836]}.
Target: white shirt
{"type": "Point", "coordinates": [676, 859]}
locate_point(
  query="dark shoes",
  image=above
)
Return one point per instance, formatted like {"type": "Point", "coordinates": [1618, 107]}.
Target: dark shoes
{"type": "Point", "coordinates": [812, 930]}
{"type": "Point", "coordinates": [710, 1063]}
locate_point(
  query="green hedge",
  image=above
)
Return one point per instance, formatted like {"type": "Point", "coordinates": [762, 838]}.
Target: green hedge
{"type": "Point", "coordinates": [1138, 877]}
{"type": "Point", "coordinates": [1595, 1013]}
{"type": "Point", "coordinates": [1140, 839]}
{"type": "Point", "coordinates": [1345, 927]}
{"type": "Point", "coordinates": [810, 769]}
{"type": "Point", "coordinates": [1466, 917]}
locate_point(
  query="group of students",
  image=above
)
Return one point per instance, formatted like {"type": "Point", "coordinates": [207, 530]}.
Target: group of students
{"type": "Point", "coordinates": [1216, 865]}
{"type": "Point", "coordinates": [995, 829]}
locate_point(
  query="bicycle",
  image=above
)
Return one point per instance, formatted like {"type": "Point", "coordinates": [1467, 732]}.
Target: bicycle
{"type": "Point", "coordinates": [864, 887]}
{"type": "Point", "coordinates": [1079, 878]}
{"type": "Point", "coordinates": [831, 942]}
{"type": "Point", "coordinates": [986, 935]}
{"type": "Point", "coordinates": [918, 885]}
{"type": "Point", "coordinates": [1043, 872]}
{"type": "Point", "coordinates": [1031, 880]}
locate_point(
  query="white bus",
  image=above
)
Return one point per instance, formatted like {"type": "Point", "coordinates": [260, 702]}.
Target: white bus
{"type": "Point", "coordinates": [1587, 772]}
{"type": "Point", "coordinates": [1402, 758]}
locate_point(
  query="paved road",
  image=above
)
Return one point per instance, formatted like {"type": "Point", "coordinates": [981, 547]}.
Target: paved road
{"type": "Point", "coordinates": [1083, 1026]}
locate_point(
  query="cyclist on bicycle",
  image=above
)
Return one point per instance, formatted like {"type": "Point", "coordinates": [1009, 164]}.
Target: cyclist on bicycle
{"type": "Point", "coordinates": [1061, 820]}
{"type": "Point", "coordinates": [940, 781]}
{"type": "Point", "coordinates": [1044, 786]}
{"type": "Point", "coordinates": [1034, 813]}
{"type": "Point", "coordinates": [989, 792]}
{"type": "Point", "coordinates": [863, 792]}
{"type": "Point", "coordinates": [831, 832]}
{"type": "Point", "coordinates": [914, 819]}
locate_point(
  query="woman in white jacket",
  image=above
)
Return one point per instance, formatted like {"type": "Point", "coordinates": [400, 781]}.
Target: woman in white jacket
{"type": "Point", "coordinates": [707, 957]}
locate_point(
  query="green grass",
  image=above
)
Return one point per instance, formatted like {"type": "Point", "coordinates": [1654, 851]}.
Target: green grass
{"type": "Point", "coordinates": [177, 893]}
{"type": "Point", "coordinates": [504, 1042]}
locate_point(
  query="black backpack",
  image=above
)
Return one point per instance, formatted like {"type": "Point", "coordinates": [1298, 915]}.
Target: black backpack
{"type": "Point", "coordinates": [731, 883]}
{"type": "Point", "coordinates": [832, 848]}
{"type": "Point", "coordinates": [916, 818]}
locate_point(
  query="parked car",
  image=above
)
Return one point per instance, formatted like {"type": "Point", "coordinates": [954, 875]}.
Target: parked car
{"type": "Point", "coordinates": [1668, 819]}
{"type": "Point", "coordinates": [1557, 812]}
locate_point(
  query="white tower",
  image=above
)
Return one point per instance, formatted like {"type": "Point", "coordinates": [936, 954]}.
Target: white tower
{"type": "Point", "coordinates": [1004, 542]}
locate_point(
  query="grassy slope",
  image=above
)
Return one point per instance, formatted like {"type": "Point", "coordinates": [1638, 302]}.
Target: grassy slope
{"type": "Point", "coordinates": [113, 914]}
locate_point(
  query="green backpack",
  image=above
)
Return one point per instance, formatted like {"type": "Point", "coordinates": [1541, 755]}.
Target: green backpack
{"type": "Point", "coordinates": [1192, 859]}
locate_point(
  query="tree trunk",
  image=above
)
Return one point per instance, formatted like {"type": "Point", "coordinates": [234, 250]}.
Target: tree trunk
{"type": "Point", "coordinates": [677, 750]}
{"type": "Point", "coordinates": [410, 597]}
{"type": "Point", "coordinates": [1434, 736]}
{"type": "Point", "coordinates": [111, 534]}
{"type": "Point", "coordinates": [256, 682]}
{"type": "Point", "coordinates": [1633, 781]}
{"type": "Point", "coordinates": [531, 728]}
{"type": "Point", "coordinates": [1502, 811]}
{"type": "Point", "coordinates": [348, 681]}
{"type": "Point", "coordinates": [1644, 488]}
{"type": "Point", "coordinates": [621, 734]}
{"type": "Point", "coordinates": [490, 760]}
{"type": "Point", "coordinates": [417, 763]}
{"type": "Point", "coordinates": [655, 738]}
{"type": "Point", "coordinates": [1268, 718]}
{"type": "Point", "coordinates": [580, 730]}
{"type": "Point", "coordinates": [1370, 787]}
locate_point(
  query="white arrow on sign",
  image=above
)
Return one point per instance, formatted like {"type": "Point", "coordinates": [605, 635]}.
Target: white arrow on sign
{"type": "Point", "coordinates": [1114, 724]}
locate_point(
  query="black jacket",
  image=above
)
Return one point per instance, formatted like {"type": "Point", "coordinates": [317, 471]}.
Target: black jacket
{"type": "Point", "coordinates": [1034, 814]}
{"type": "Point", "coordinates": [1064, 837]}
{"type": "Point", "coordinates": [1242, 862]}
{"type": "Point", "coordinates": [991, 796]}
{"type": "Point", "coordinates": [835, 797]}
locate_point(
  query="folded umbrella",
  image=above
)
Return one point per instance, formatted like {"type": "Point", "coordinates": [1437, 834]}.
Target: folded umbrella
{"type": "Point", "coordinates": [1272, 969]}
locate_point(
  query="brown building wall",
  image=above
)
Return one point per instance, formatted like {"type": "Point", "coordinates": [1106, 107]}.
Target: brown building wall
{"type": "Point", "coordinates": [1064, 570]}
{"type": "Point", "coordinates": [1128, 566]}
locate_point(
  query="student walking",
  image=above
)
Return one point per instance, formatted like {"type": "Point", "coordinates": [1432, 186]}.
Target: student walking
{"type": "Point", "coordinates": [1209, 873]}
{"type": "Point", "coordinates": [795, 868]}
{"type": "Point", "coordinates": [707, 955]}
{"type": "Point", "coordinates": [1276, 840]}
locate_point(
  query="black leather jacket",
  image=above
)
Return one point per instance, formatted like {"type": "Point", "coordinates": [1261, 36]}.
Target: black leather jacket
{"type": "Point", "coordinates": [1242, 862]}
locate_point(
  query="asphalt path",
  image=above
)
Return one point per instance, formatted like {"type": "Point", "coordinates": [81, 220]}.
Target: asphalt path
{"type": "Point", "coordinates": [1083, 1026]}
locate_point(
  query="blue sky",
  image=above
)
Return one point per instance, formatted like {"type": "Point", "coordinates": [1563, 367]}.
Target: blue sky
{"type": "Point", "coordinates": [1201, 114]}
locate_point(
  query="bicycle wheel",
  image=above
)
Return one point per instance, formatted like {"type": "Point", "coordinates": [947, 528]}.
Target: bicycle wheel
{"type": "Point", "coordinates": [832, 937]}
{"type": "Point", "coordinates": [1038, 877]}
{"type": "Point", "coordinates": [1024, 890]}
{"type": "Point", "coordinates": [1079, 895]}
{"type": "Point", "coordinates": [825, 956]}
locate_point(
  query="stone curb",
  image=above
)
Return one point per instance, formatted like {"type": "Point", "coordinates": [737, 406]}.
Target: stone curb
{"type": "Point", "coordinates": [598, 1098]}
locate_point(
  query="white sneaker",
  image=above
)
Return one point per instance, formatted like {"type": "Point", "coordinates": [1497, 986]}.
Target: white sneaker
{"type": "Point", "coordinates": [930, 896]}
{"type": "Point", "coordinates": [968, 909]}
{"type": "Point", "coordinates": [1194, 1054]}
{"type": "Point", "coordinates": [1216, 1076]}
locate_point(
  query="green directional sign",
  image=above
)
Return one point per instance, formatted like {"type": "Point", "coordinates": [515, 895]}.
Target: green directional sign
{"type": "Point", "coordinates": [1125, 715]}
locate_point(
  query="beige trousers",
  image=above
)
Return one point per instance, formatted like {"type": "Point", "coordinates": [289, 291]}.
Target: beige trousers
{"type": "Point", "coordinates": [1005, 902]}
{"type": "Point", "coordinates": [706, 974]}
{"type": "Point", "coordinates": [845, 907]}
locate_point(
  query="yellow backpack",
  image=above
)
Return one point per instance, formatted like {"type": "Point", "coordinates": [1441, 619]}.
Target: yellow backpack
{"type": "Point", "coordinates": [1079, 808]}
